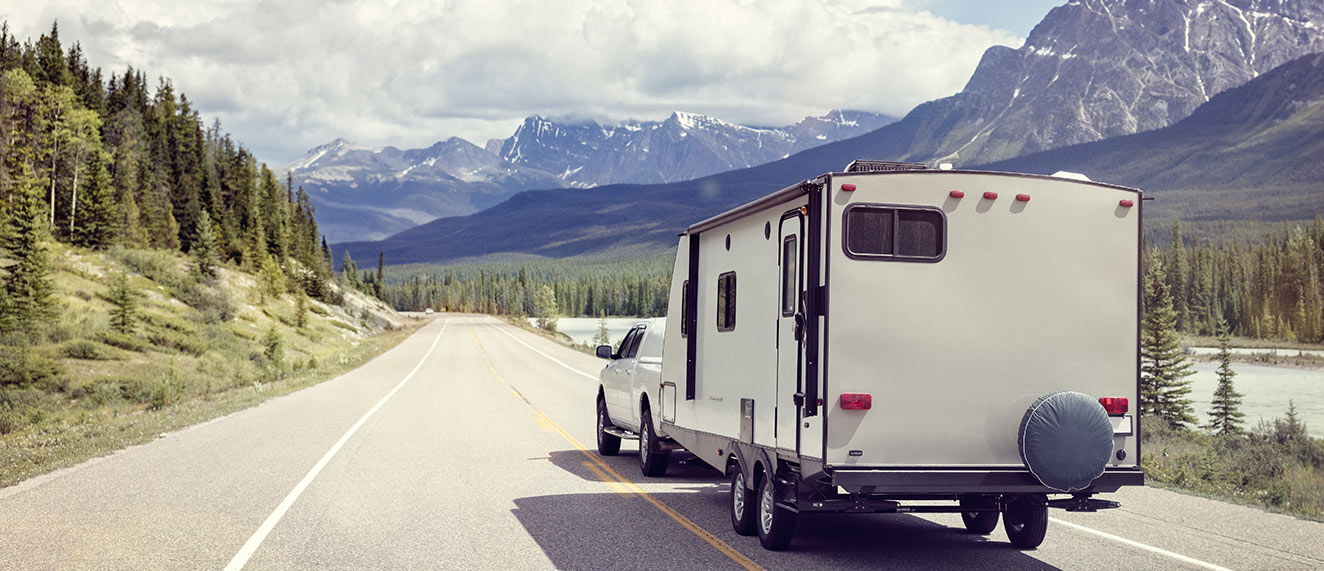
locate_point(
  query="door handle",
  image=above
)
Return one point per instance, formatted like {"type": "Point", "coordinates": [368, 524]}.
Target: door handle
{"type": "Point", "coordinates": [799, 326]}
{"type": "Point", "coordinates": [798, 398]}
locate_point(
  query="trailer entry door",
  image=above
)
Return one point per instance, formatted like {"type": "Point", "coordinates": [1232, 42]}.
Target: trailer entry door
{"type": "Point", "coordinates": [790, 330]}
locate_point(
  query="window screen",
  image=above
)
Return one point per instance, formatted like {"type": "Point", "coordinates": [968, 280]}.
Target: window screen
{"type": "Point", "coordinates": [790, 281]}
{"type": "Point", "coordinates": [726, 301]}
{"type": "Point", "coordinates": [895, 233]}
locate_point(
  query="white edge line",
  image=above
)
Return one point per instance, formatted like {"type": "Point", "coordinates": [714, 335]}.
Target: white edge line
{"type": "Point", "coordinates": [250, 547]}
{"type": "Point", "coordinates": [1139, 545]}
{"type": "Point", "coordinates": [554, 359]}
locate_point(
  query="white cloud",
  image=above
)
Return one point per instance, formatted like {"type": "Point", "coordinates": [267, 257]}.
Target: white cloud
{"type": "Point", "coordinates": [284, 76]}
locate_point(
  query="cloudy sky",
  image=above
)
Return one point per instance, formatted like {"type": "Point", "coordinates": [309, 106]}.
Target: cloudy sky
{"type": "Point", "coordinates": [286, 75]}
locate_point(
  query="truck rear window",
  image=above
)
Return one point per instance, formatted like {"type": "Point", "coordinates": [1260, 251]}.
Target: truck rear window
{"type": "Point", "coordinates": [897, 233]}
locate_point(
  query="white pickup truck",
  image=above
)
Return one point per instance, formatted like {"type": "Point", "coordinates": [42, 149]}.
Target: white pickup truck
{"type": "Point", "coordinates": [624, 408]}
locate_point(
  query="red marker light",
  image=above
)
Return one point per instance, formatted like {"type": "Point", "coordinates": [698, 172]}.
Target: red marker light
{"type": "Point", "coordinates": [1126, 204]}
{"type": "Point", "coordinates": [856, 401]}
{"type": "Point", "coordinates": [1115, 405]}
{"type": "Point", "coordinates": [847, 187]}
{"type": "Point", "coordinates": [991, 195]}
{"type": "Point", "coordinates": [1023, 198]}
{"type": "Point", "coordinates": [957, 194]}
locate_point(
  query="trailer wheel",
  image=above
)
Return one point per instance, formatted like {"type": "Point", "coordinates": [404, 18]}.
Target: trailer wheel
{"type": "Point", "coordinates": [652, 459]}
{"type": "Point", "coordinates": [608, 444]}
{"type": "Point", "coordinates": [742, 505]}
{"type": "Point", "coordinates": [1026, 521]}
{"type": "Point", "coordinates": [776, 524]}
{"type": "Point", "coordinates": [982, 523]}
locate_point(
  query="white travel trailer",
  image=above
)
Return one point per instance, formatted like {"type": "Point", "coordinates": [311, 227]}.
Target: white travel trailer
{"type": "Point", "coordinates": [891, 334]}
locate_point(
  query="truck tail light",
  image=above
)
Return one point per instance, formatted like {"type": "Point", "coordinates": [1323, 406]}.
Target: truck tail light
{"type": "Point", "coordinates": [856, 401]}
{"type": "Point", "coordinates": [1115, 405]}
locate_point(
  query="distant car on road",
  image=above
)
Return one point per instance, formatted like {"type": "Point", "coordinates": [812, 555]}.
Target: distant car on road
{"type": "Point", "coordinates": [428, 311]}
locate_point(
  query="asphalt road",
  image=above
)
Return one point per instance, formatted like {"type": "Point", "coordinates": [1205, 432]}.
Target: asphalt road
{"type": "Point", "coordinates": [464, 447]}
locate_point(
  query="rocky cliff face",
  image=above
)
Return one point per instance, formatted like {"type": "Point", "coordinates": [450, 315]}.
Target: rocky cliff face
{"type": "Point", "coordinates": [1094, 69]}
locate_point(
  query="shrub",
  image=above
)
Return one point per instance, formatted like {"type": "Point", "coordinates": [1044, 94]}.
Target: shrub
{"type": "Point", "coordinates": [86, 349]}
{"type": "Point", "coordinates": [170, 339]}
{"type": "Point", "coordinates": [24, 367]}
{"type": "Point", "coordinates": [122, 341]}
{"type": "Point", "coordinates": [157, 265]}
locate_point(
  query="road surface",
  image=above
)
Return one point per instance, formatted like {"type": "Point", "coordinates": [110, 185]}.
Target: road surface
{"type": "Point", "coordinates": [464, 447]}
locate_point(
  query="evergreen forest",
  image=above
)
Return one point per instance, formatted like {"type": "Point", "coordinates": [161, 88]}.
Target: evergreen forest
{"type": "Point", "coordinates": [96, 159]}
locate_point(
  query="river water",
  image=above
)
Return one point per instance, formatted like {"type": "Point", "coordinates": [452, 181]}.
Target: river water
{"type": "Point", "coordinates": [1266, 389]}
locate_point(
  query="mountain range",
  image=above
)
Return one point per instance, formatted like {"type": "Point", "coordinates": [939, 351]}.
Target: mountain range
{"type": "Point", "coordinates": [365, 193]}
{"type": "Point", "coordinates": [1092, 69]}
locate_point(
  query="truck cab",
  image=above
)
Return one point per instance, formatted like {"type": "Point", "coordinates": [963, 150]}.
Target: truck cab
{"type": "Point", "coordinates": [628, 389]}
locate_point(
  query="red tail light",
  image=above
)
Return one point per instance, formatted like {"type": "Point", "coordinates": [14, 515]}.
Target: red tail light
{"type": "Point", "coordinates": [847, 187]}
{"type": "Point", "coordinates": [991, 195]}
{"type": "Point", "coordinates": [856, 401]}
{"type": "Point", "coordinates": [1023, 197]}
{"type": "Point", "coordinates": [957, 194]}
{"type": "Point", "coordinates": [1126, 204]}
{"type": "Point", "coordinates": [1115, 405]}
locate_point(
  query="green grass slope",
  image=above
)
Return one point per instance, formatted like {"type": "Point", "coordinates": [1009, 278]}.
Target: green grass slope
{"type": "Point", "coordinates": [199, 348]}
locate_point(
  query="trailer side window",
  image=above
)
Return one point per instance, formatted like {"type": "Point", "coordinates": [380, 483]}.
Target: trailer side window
{"type": "Point", "coordinates": [790, 255]}
{"type": "Point", "coordinates": [895, 233]}
{"type": "Point", "coordinates": [684, 309]}
{"type": "Point", "coordinates": [726, 301]}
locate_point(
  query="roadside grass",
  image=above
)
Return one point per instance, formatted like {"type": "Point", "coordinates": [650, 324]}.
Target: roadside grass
{"type": "Point", "coordinates": [1275, 465]}
{"type": "Point", "coordinates": [75, 389]}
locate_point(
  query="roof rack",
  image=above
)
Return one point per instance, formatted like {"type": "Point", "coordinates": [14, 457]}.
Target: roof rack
{"type": "Point", "coordinates": [863, 165]}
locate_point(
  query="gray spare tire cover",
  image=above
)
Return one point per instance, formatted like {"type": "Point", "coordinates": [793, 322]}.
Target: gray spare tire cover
{"type": "Point", "coordinates": [1066, 440]}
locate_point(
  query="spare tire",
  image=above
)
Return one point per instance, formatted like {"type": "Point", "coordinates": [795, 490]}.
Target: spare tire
{"type": "Point", "coordinates": [1066, 440]}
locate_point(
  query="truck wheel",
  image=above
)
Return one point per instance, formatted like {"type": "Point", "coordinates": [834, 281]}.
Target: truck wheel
{"type": "Point", "coordinates": [652, 459]}
{"type": "Point", "coordinates": [742, 505]}
{"type": "Point", "coordinates": [608, 444]}
{"type": "Point", "coordinates": [982, 523]}
{"type": "Point", "coordinates": [776, 524]}
{"type": "Point", "coordinates": [1026, 521]}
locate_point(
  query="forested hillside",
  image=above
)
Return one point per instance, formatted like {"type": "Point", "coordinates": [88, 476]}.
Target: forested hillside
{"type": "Point", "coordinates": [94, 159]}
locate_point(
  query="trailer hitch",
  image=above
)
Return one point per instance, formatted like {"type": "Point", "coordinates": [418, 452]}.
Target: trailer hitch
{"type": "Point", "coordinates": [1083, 503]}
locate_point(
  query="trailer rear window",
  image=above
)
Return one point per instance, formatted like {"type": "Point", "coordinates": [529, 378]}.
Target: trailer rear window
{"type": "Point", "coordinates": [897, 233]}
{"type": "Point", "coordinates": [726, 301]}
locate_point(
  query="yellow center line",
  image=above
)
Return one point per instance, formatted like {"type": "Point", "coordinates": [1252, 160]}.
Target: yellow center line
{"type": "Point", "coordinates": [615, 480]}
{"type": "Point", "coordinates": [616, 486]}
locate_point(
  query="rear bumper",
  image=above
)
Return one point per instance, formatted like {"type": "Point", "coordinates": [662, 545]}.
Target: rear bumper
{"type": "Point", "coordinates": [939, 482]}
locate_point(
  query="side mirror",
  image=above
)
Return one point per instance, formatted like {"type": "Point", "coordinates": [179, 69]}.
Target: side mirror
{"type": "Point", "coordinates": [604, 351]}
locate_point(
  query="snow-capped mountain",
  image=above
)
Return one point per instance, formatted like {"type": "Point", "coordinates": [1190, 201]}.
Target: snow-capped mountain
{"type": "Point", "coordinates": [364, 192]}
{"type": "Point", "coordinates": [684, 146]}
{"type": "Point", "coordinates": [367, 193]}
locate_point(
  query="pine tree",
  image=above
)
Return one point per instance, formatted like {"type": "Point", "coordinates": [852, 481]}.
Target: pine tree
{"type": "Point", "coordinates": [273, 280]}
{"type": "Point", "coordinates": [381, 274]}
{"type": "Point", "coordinates": [544, 307]}
{"type": "Point", "coordinates": [301, 310]}
{"type": "Point", "coordinates": [603, 337]}
{"type": "Point", "coordinates": [1225, 416]}
{"type": "Point", "coordinates": [99, 219]}
{"type": "Point", "coordinates": [350, 273]}
{"type": "Point", "coordinates": [124, 304]}
{"type": "Point", "coordinates": [28, 283]}
{"type": "Point", "coordinates": [1164, 368]}
{"type": "Point", "coordinates": [206, 250]}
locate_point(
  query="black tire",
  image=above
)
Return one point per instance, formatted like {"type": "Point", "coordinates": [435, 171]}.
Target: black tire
{"type": "Point", "coordinates": [776, 524]}
{"type": "Point", "coordinates": [1026, 521]}
{"type": "Point", "coordinates": [608, 444]}
{"type": "Point", "coordinates": [982, 523]}
{"type": "Point", "coordinates": [652, 459]}
{"type": "Point", "coordinates": [744, 514]}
